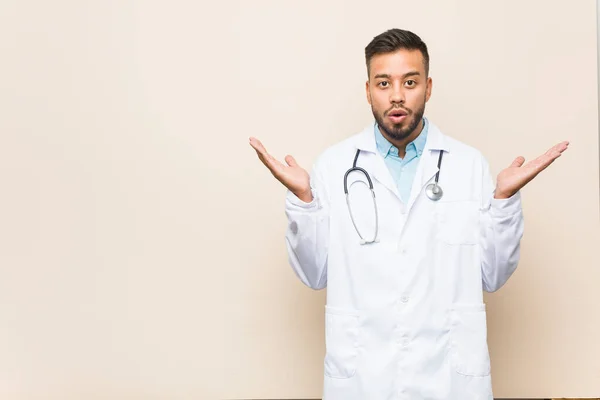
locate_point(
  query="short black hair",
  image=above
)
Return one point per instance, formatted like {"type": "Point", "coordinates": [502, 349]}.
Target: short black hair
{"type": "Point", "coordinates": [393, 40]}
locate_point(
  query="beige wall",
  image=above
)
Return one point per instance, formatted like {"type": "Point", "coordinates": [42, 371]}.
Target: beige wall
{"type": "Point", "coordinates": [142, 252]}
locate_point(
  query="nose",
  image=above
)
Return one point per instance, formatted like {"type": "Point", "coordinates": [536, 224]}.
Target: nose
{"type": "Point", "coordinates": [397, 95]}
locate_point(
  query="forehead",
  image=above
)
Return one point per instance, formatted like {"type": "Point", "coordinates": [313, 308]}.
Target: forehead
{"type": "Point", "coordinates": [397, 63]}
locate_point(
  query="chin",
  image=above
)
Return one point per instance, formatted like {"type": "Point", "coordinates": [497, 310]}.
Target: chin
{"type": "Point", "coordinates": [400, 135]}
{"type": "Point", "coordinates": [397, 132]}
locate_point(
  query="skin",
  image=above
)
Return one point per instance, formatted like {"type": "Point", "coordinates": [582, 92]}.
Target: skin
{"type": "Point", "coordinates": [398, 81]}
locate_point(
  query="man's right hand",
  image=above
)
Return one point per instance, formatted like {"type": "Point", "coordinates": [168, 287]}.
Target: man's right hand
{"type": "Point", "coordinates": [292, 176]}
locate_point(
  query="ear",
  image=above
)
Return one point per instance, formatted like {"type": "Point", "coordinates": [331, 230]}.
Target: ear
{"type": "Point", "coordinates": [429, 87]}
{"type": "Point", "coordinates": [368, 92]}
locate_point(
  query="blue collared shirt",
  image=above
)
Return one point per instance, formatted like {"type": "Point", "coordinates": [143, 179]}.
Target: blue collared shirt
{"type": "Point", "coordinates": [403, 170]}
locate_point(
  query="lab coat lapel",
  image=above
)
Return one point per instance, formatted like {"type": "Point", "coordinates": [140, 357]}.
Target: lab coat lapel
{"type": "Point", "coordinates": [372, 161]}
{"type": "Point", "coordinates": [428, 164]}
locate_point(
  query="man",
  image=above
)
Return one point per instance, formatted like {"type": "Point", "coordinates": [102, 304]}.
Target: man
{"type": "Point", "coordinates": [406, 268]}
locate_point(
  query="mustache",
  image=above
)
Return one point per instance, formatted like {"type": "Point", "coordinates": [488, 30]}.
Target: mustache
{"type": "Point", "coordinates": [407, 110]}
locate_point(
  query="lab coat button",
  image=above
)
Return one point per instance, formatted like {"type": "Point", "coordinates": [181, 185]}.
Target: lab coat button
{"type": "Point", "coordinates": [404, 299]}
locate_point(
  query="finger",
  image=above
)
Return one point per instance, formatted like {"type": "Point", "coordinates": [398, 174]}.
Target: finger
{"type": "Point", "coordinates": [272, 163]}
{"type": "Point", "coordinates": [553, 153]}
{"type": "Point", "coordinates": [518, 162]}
{"type": "Point", "coordinates": [562, 146]}
{"type": "Point", "coordinates": [544, 161]}
{"type": "Point", "coordinates": [269, 161]}
{"type": "Point", "coordinates": [291, 161]}
{"type": "Point", "coordinates": [261, 156]}
{"type": "Point", "coordinates": [258, 146]}
{"type": "Point", "coordinates": [265, 157]}
{"type": "Point", "coordinates": [558, 148]}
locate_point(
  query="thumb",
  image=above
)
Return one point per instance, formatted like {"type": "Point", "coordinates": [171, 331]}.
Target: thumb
{"type": "Point", "coordinates": [291, 161]}
{"type": "Point", "coordinates": [518, 162]}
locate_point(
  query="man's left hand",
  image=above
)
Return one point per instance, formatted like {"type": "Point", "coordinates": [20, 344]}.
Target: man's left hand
{"type": "Point", "coordinates": [518, 174]}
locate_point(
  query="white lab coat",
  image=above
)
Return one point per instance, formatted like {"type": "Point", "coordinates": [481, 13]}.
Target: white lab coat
{"type": "Point", "coordinates": [405, 317]}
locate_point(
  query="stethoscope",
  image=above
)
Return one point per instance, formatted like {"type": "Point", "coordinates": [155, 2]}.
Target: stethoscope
{"type": "Point", "coordinates": [433, 191]}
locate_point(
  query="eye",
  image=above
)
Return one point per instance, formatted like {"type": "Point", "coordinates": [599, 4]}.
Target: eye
{"type": "Point", "coordinates": [410, 83]}
{"type": "Point", "coordinates": [383, 84]}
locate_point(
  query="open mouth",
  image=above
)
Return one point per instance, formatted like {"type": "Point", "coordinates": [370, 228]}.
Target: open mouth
{"type": "Point", "coordinates": [397, 116]}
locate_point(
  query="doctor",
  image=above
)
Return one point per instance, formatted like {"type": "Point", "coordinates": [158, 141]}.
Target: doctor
{"type": "Point", "coordinates": [406, 267]}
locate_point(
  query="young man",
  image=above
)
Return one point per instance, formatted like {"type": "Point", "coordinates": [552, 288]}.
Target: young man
{"type": "Point", "coordinates": [406, 262]}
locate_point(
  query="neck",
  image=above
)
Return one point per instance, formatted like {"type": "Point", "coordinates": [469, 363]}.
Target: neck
{"type": "Point", "coordinates": [401, 144]}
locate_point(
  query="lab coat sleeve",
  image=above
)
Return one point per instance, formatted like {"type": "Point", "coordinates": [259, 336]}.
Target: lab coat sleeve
{"type": "Point", "coordinates": [502, 228]}
{"type": "Point", "coordinates": [307, 233]}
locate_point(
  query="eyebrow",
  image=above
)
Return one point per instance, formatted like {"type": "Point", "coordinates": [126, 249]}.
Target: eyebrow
{"type": "Point", "coordinates": [406, 75]}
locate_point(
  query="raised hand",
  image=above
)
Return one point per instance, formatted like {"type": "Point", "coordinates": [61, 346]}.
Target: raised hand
{"type": "Point", "coordinates": [518, 174]}
{"type": "Point", "coordinates": [292, 176]}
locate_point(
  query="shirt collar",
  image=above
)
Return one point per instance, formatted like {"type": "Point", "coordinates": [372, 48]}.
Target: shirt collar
{"type": "Point", "coordinates": [385, 147]}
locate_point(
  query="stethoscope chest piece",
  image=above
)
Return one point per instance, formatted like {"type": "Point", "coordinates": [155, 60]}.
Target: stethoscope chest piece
{"type": "Point", "coordinates": [434, 191]}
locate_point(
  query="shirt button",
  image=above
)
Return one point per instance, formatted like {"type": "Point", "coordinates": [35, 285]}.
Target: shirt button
{"type": "Point", "coordinates": [404, 299]}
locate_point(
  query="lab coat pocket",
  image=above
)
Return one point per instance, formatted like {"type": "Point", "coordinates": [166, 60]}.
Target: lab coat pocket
{"type": "Point", "coordinates": [341, 342]}
{"type": "Point", "coordinates": [457, 222]}
{"type": "Point", "coordinates": [469, 349]}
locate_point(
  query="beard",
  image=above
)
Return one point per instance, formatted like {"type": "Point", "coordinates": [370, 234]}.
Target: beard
{"type": "Point", "coordinates": [404, 129]}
